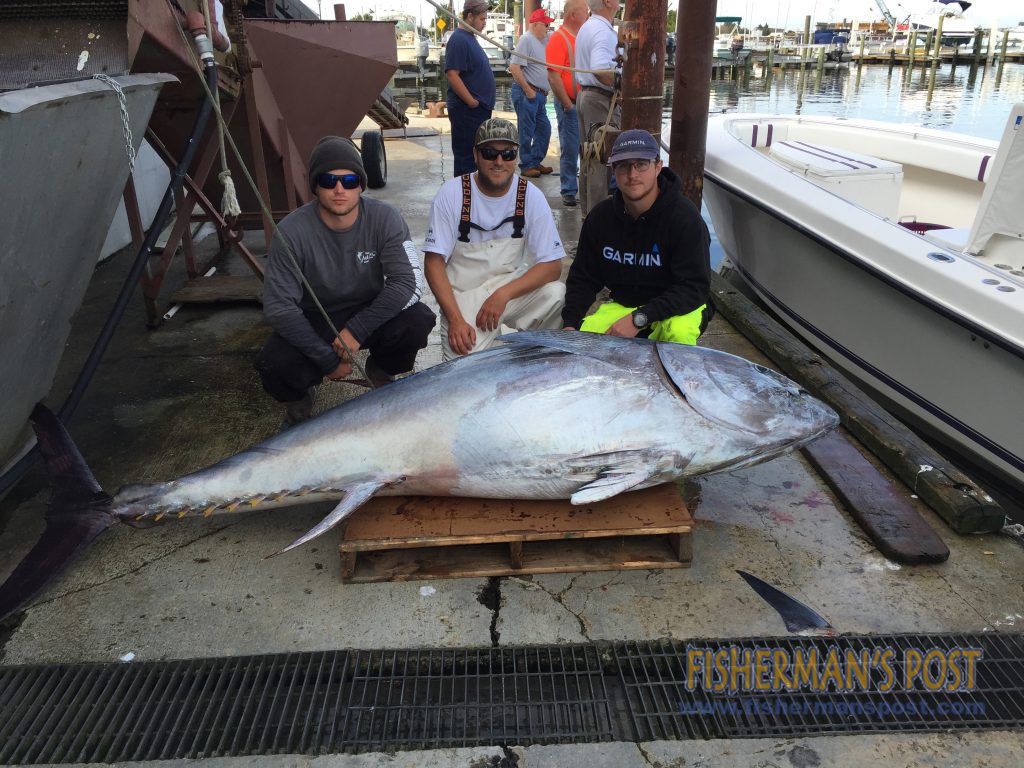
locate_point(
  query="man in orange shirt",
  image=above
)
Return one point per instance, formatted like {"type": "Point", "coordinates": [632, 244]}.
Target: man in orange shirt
{"type": "Point", "coordinates": [561, 49]}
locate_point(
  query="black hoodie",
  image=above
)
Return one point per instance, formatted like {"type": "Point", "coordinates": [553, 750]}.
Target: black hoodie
{"type": "Point", "coordinates": [659, 262]}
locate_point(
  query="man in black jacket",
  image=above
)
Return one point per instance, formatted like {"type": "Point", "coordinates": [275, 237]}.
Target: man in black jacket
{"type": "Point", "coordinates": [649, 246]}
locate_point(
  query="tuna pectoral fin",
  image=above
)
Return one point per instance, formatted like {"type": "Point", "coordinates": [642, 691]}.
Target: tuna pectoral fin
{"type": "Point", "coordinates": [355, 497]}
{"type": "Point", "coordinates": [78, 512]}
{"type": "Point", "coordinates": [608, 485]}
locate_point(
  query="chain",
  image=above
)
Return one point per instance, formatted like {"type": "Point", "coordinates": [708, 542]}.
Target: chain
{"type": "Point", "coordinates": [129, 143]}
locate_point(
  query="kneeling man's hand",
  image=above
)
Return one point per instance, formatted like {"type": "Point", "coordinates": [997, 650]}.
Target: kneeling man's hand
{"type": "Point", "coordinates": [489, 316]}
{"type": "Point", "coordinates": [343, 371]}
{"type": "Point", "coordinates": [461, 336]}
{"type": "Point", "coordinates": [623, 327]}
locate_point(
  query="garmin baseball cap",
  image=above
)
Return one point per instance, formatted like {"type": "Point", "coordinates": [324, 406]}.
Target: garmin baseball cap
{"type": "Point", "coordinates": [634, 144]}
{"type": "Point", "coordinates": [540, 15]}
{"type": "Point", "coordinates": [497, 129]}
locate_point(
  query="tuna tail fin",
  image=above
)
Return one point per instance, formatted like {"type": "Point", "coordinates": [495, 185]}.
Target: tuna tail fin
{"type": "Point", "coordinates": [78, 512]}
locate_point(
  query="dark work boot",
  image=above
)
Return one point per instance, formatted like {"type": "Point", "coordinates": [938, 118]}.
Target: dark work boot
{"type": "Point", "coordinates": [298, 411]}
{"type": "Point", "coordinates": [376, 374]}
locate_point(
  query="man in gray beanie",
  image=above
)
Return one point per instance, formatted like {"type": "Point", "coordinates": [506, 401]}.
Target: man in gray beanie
{"type": "Point", "coordinates": [357, 255]}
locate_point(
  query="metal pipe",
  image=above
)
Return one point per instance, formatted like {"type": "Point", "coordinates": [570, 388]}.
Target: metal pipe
{"type": "Point", "coordinates": [691, 92]}
{"type": "Point", "coordinates": [643, 71]}
{"type": "Point", "coordinates": [18, 470]}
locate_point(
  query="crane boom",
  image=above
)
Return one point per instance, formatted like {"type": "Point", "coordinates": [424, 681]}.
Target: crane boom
{"type": "Point", "coordinates": [886, 13]}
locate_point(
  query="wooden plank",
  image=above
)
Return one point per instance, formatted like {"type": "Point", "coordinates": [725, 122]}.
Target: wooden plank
{"type": "Point", "coordinates": [395, 522]}
{"type": "Point", "coordinates": [220, 288]}
{"type": "Point", "coordinates": [484, 560]}
{"type": "Point", "coordinates": [886, 515]}
{"type": "Point", "coordinates": [965, 506]}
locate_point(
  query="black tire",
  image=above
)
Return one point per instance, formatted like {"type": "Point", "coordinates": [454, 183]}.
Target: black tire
{"type": "Point", "coordinates": [375, 159]}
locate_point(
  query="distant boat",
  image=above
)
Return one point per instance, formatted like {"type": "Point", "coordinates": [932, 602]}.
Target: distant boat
{"type": "Point", "coordinates": [896, 251]}
{"type": "Point", "coordinates": [409, 40]}
{"type": "Point", "coordinates": [957, 29]}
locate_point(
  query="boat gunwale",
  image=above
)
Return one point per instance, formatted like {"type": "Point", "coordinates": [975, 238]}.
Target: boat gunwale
{"type": "Point", "coordinates": [944, 288]}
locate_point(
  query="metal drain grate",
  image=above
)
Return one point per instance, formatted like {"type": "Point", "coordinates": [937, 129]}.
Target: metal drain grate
{"type": "Point", "coordinates": [310, 703]}
{"type": "Point", "coordinates": [654, 676]}
{"type": "Point", "coordinates": [360, 701]}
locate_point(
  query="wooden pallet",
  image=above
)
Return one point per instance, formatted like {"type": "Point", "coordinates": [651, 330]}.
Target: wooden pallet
{"type": "Point", "coordinates": [403, 538]}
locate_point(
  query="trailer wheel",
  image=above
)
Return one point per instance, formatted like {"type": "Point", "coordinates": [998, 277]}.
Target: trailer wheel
{"type": "Point", "coordinates": [375, 159]}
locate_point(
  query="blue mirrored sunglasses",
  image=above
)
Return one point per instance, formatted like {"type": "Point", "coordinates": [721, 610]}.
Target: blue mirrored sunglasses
{"type": "Point", "coordinates": [330, 180]}
{"type": "Point", "coordinates": [490, 153]}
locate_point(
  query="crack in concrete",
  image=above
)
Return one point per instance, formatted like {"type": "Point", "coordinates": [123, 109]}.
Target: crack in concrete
{"type": "Point", "coordinates": [558, 597]}
{"type": "Point", "coordinates": [489, 596]}
{"type": "Point", "coordinates": [983, 617]}
{"type": "Point", "coordinates": [646, 756]}
{"type": "Point", "coordinates": [136, 569]}
{"type": "Point", "coordinates": [511, 758]}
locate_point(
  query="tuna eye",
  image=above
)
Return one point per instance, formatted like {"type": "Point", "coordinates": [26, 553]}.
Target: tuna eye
{"type": "Point", "coordinates": [761, 368]}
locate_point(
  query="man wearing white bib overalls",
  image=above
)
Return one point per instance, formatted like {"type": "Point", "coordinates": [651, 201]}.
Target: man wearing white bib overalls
{"type": "Point", "coordinates": [493, 254]}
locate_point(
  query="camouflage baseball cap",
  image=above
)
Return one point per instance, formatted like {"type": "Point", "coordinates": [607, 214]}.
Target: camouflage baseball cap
{"type": "Point", "coordinates": [497, 129]}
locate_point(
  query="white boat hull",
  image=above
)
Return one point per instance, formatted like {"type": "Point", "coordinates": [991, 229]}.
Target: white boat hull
{"type": "Point", "coordinates": [864, 292]}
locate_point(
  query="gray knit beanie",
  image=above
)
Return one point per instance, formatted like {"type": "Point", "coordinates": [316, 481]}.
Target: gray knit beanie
{"type": "Point", "coordinates": [332, 153]}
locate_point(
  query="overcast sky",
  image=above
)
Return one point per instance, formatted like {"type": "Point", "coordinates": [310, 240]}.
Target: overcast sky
{"type": "Point", "coordinates": [783, 13]}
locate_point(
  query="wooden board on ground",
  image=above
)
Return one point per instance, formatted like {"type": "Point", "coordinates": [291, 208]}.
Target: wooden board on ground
{"type": "Point", "coordinates": [205, 290]}
{"type": "Point", "coordinates": [888, 517]}
{"type": "Point", "coordinates": [958, 499]}
{"type": "Point", "coordinates": [402, 538]}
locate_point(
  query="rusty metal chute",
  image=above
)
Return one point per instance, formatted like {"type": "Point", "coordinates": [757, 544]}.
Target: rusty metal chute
{"type": "Point", "coordinates": [283, 85]}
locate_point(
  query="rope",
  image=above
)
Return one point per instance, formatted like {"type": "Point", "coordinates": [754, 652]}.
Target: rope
{"type": "Point", "coordinates": [229, 206]}
{"type": "Point", "coordinates": [264, 207]}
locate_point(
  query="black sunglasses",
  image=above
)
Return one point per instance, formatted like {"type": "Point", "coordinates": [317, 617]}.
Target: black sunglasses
{"type": "Point", "coordinates": [330, 180]}
{"type": "Point", "coordinates": [490, 153]}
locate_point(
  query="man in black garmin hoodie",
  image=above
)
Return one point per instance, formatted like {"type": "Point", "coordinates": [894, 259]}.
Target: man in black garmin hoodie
{"type": "Point", "coordinates": [649, 246]}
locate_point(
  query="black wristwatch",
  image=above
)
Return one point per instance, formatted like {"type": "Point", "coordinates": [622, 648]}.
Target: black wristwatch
{"type": "Point", "coordinates": [639, 320]}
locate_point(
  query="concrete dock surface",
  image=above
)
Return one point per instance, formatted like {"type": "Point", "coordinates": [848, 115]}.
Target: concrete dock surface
{"type": "Point", "coordinates": [174, 399]}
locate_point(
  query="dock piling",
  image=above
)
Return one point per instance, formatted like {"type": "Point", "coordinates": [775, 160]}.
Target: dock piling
{"type": "Point", "coordinates": [690, 94]}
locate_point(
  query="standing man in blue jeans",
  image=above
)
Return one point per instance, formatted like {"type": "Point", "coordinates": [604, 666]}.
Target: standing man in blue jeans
{"type": "Point", "coordinates": [561, 50]}
{"type": "Point", "coordinates": [530, 96]}
{"type": "Point", "coordinates": [471, 91]}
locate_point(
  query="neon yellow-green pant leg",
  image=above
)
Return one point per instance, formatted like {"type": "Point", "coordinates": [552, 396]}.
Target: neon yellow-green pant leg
{"type": "Point", "coordinates": [680, 329]}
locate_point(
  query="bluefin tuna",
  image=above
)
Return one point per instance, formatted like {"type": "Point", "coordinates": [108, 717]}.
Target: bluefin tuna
{"type": "Point", "coordinates": [549, 415]}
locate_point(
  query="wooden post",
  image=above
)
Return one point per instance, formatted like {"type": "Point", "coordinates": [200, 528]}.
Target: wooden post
{"type": "Point", "coordinates": [821, 61]}
{"type": "Point", "coordinates": [768, 66]}
{"type": "Point", "coordinates": [977, 46]}
{"type": "Point", "coordinates": [938, 41]}
{"type": "Point", "coordinates": [1002, 55]}
{"type": "Point", "coordinates": [695, 35]}
{"type": "Point", "coordinates": [860, 58]}
{"type": "Point", "coordinates": [935, 62]}
{"type": "Point", "coordinates": [643, 72]}
{"type": "Point", "coordinates": [911, 50]}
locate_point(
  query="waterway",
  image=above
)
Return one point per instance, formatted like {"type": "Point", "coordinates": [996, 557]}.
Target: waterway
{"type": "Point", "coordinates": [963, 99]}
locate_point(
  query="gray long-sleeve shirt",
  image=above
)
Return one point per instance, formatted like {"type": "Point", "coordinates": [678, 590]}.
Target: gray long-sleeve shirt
{"type": "Point", "coordinates": [372, 267]}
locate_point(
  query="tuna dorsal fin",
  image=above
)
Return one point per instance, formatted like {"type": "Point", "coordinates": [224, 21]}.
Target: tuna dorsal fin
{"type": "Point", "coordinates": [355, 496]}
{"type": "Point", "coordinates": [797, 616]}
{"type": "Point", "coordinates": [621, 352]}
